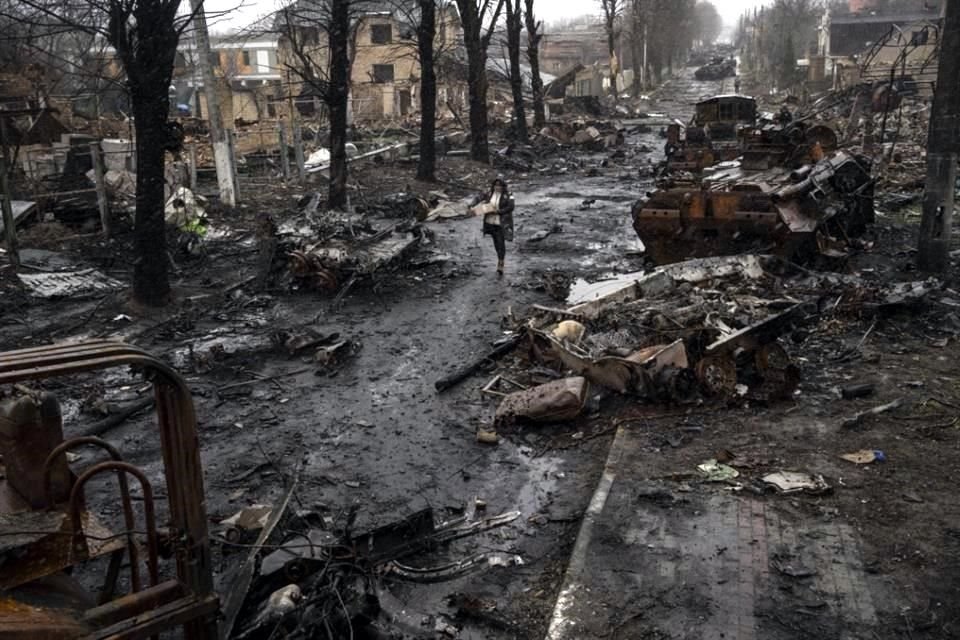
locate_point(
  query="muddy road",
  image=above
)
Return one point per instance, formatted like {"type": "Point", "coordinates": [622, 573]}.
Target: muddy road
{"type": "Point", "coordinates": [373, 433]}
{"type": "Point", "coordinates": [371, 440]}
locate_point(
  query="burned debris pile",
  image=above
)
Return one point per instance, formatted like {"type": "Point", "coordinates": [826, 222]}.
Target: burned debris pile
{"type": "Point", "coordinates": [719, 330]}
{"type": "Point", "coordinates": [305, 574]}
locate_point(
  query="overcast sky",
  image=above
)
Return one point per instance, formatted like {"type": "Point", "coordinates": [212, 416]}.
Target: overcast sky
{"type": "Point", "coordinates": [239, 13]}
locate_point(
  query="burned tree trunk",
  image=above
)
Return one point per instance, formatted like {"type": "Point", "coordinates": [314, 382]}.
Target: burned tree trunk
{"type": "Point", "coordinates": [943, 146]}
{"type": "Point", "coordinates": [477, 81]}
{"type": "Point", "coordinates": [426, 32]}
{"type": "Point", "coordinates": [337, 100]}
{"type": "Point", "coordinates": [145, 36]}
{"type": "Point", "coordinates": [476, 41]}
{"type": "Point", "coordinates": [151, 284]}
{"type": "Point", "coordinates": [637, 21]}
{"type": "Point", "coordinates": [514, 26]}
{"type": "Point", "coordinates": [534, 35]}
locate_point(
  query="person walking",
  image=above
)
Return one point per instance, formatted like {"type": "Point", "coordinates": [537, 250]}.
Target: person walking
{"type": "Point", "coordinates": [497, 211]}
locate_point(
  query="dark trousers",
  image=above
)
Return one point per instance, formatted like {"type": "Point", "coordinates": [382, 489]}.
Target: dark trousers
{"type": "Point", "coordinates": [499, 241]}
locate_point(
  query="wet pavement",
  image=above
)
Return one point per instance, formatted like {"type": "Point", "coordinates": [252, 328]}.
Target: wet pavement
{"type": "Point", "coordinates": [665, 558]}
{"type": "Point", "coordinates": [374, 433]}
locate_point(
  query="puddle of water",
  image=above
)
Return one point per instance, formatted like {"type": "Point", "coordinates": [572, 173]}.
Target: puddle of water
{"type": "Point", "coordinates": [542, 476]}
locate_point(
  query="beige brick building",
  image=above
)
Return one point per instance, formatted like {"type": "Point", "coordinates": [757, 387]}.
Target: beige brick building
{"type": "Point", "coordinates": [385, 75]}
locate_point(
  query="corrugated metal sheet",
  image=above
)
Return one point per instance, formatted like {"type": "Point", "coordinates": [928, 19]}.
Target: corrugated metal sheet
{"type": "Point", "coordinates": [69, 283]}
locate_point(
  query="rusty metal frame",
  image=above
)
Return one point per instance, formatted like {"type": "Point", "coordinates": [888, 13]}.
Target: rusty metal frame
{"type": "Point", "coordinates": [182, 468]}
{"type": "Point", "coordinates": [122, 468]}
{"type": "Point", "coordinates": [128, 516]}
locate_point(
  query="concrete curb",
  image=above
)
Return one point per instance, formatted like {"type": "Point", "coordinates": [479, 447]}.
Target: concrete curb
{"type": "Point", "coordinates": [562, 626]}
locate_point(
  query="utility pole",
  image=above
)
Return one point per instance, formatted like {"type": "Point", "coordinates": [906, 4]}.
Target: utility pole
{"type": "Point", "coordinates": [943, 149]}
{"type": "Point", "coordinates": [643, 67]}
{"type": "Point", "coordinates": [222, 154]}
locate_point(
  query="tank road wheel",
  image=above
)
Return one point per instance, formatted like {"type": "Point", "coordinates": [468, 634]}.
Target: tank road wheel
{"type": "Point", "coordinates": [718, 375]}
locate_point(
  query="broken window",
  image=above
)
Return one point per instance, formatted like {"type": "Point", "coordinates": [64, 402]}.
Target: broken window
{"type": "Point", "coordinates": [381, 34]}
{"type": "Point", "coordinates": [383, 73]}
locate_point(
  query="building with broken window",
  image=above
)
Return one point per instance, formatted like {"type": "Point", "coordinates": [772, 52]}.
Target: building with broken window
{"type": "Point", "coordinates": [385, 71]}
{"type": "Point", "coordinates": [248, 78]}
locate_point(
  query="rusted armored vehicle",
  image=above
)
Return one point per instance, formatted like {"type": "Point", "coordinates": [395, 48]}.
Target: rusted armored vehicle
{"type": "Point", "coordinates": [717, 69]}
{"type": "Point", "coordinates": [727, 127]}
{"type": "Point", "coordinates": [713, 135]}
{"type": "Point", "coordinates": [792, 212]}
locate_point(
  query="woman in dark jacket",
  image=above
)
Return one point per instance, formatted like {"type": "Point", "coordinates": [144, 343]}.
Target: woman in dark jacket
{"type": "Point", "coordinates": [497, 211]}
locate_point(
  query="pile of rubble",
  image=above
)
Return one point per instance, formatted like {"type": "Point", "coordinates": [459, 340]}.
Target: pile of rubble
{"type": "Point", "coordinates": [306, 574]}
{"type": "Point", "coordinates": [701, 331]}
{"type": "Point", "coordinates": [328, 251]}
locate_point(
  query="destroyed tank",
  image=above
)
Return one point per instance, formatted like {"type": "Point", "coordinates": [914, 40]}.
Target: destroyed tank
{"type": "Point", "coordinates": [718, 69]}
{"type": "Point", "coordinates": [794, 213]}
{"type": "Point", "coordinates": [713, 135]}
{"type": "Point", "coordinates": [727, 127]}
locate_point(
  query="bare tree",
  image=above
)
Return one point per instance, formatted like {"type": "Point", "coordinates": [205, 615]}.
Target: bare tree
{"type": "Point", "coordinates": [639, 17]}
{"type": "Point", "coordinates": [778, 34]}
{"type": "Point", "coordinates": [612, 11]}
{"type": "Point", "coordinates": [479, 19]}
{"type": "Point", "coordinates": [664, 29]}
{"type": "Point", "coordinates": [317, 41]}
{"type": "Point", "coordinates": [144, 34]}
{"type": "Point", "coordinates": [426, 34]}
{"type": "Point", "coordinates": [943, 149]}
{"type": "Point", "coordinates": [534, 36]}
{"type": "Point", "coordinates": [514, 27]}
{"type": "Point", "coordinates": [337, 100]}
{"type": "Point", "coordinates": [708, 23]}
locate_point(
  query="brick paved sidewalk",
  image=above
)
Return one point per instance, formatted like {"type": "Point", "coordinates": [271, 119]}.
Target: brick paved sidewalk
{"type": "Point", "coordinates": [670, 559]}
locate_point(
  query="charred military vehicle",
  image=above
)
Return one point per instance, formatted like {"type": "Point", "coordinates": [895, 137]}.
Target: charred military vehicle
{"type": "Point", "coordinates": [713, 135]}
{"type": "Point", "coordinates": [717, 69]}
{"type": "Point", "coordinates": [794, 212]}
{"type": "Point", "coordinates": [727, 127]}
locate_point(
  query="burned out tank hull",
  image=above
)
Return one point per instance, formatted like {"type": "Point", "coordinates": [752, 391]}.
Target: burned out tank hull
{"type": "Point", "coordinates": [795, 214]}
